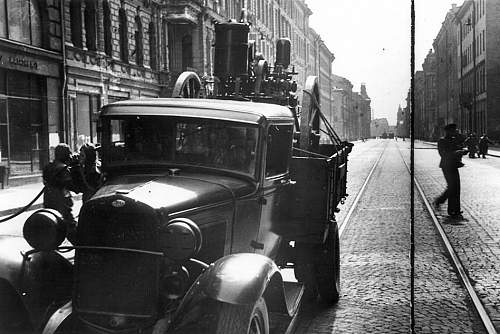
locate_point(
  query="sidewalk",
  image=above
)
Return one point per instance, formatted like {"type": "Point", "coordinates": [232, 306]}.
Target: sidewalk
{"type": "Point", "coordinates": [13, 199]}
{"type": "Point", "coordinates": [493, 151]}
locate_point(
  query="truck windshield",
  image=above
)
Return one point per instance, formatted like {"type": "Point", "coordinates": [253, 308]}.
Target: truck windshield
{"type": "Point", "coordinates": [175, 140]}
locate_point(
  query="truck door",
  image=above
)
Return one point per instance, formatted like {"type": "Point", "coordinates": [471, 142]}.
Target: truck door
{"type": "Point", "coordinates": [276, 184]}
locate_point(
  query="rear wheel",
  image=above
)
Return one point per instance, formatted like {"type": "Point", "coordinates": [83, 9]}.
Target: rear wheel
{"type": "Point", "coordinates": [245, 319]}
{"type": "Point", "coordinates": [318, 267]}
{"type": "Point", "coordinates": [327, 267]}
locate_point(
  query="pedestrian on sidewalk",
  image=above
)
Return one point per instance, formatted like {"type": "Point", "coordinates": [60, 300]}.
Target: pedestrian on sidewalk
{"type": "Point", "coordinates": [91, 171]}
{"type": "Point", "coordinates": [58, 181]}
{"type": "Point", "coordinates": [451, 152]}
{"type": "Point", "coordinates": [483, 145]}
{"type": "Point", "coordinates": [472, 145]}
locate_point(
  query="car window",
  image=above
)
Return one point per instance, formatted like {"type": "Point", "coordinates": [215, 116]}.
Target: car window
{"type": "Point", "coordinates": [279, 143]}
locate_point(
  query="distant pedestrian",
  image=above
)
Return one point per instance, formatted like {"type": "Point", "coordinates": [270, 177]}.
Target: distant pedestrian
{"type": "Point", "coordinates": [451, 152]}
{"type": "Point", "coordinates": [58, 181]}
{"type": "Point", "coordinates": [472, 145]}
{"type": "Point", "coordinates": [484, 141]}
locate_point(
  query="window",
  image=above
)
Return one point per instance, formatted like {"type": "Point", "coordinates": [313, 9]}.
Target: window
{"type": "Point", "coordinates": [76, 22]}
{"type": "Point", "coordinates": [122, 17]}
{"type": "Point", "coordinates": [21, 21]}
{"type": "Point", "coordinates": [173, 140]}
{"type": "Point", "coordinates": [153, 61]}
{"type": "Point", "coordinates": [90, 25]}
{"type": "Point", "coordinates": [187, 52]}
{"type": "Point", "coordinates": [108, 44]}
{"type": "Point", "coordinates": [279, 143]}
{"type": "Point", "coordinates": [139, 48]}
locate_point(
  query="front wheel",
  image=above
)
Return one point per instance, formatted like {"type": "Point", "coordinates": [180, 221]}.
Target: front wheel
{"type": "Point", "coordinates": [245, 319]}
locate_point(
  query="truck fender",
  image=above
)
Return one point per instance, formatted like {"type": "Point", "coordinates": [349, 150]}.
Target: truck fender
{"type": "Point", "coordinates": [57, 318]}
{"type": "Point", "coordinates": [236, 279]}
{"type": "Point", "coordinates": [38, 280]}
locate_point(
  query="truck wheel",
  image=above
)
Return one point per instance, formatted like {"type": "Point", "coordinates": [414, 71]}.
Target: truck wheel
{"type": "Point", "coordinates": [245, 319]}
{"type": "Point", "coordinates": [327, 267]}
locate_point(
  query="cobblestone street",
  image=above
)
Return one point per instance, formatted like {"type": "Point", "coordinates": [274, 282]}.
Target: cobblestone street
{"type": "Point", "coordinates": [475, 240]}
{"type": "Point", "coordinates": [375, 267]}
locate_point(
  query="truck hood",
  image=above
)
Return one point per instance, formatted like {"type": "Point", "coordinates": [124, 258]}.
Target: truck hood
{"type": "Point", "coordinates": [179, 192]}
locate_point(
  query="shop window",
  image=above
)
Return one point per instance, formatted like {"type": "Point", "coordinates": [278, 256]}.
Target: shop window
{"type": "Point", "coordinates": [153, 61]}
{"type": "Point", "coordinates": [85, 119]}
{"type": "Point", "coordinates": [279, 143]}
{"type": "Point", "coordinates": [187, 52]}
{"type": "Point", "coordinates": [23, 139]}
{"type": "Point", "coordinates": [108, 44]}
{"type": "Point", "coordinates": [22, 21]}
{"type": "Point", "coordinates": [76, 22]}
{"type": "Point", "coordinates": [122, 17]}
{"type": "Point", "coordinates": [90, 25]}
{"type": "Point", "coordinates": [139, 48]}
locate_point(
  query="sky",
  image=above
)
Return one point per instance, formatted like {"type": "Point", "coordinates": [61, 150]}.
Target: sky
{"type": "Point", "coordinates": [371, 43]}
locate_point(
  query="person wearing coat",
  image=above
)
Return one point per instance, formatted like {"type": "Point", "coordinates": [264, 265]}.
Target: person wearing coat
{"type": "Point", "coordinates": [451, 152]}
{"type": "Point", "coordinates": [58, 181]}
{"type": "Point", "coordinates": [91, 174]}
{"type": "Point", "coordinates": [483, 145]}
{"type": "Point", "coordinates": [472, 145]}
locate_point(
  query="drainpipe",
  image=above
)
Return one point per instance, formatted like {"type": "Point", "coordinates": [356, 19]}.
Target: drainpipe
{"type": "Point", "coordinates": [64, 88]}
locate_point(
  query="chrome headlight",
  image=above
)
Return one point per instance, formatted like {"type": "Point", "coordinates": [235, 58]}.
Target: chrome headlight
{"type": "Point", "coordinates": [180, 239]}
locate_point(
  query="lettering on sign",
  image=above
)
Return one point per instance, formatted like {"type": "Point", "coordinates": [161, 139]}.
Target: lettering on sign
{"type": "Point", "coordinates": [23, 62]}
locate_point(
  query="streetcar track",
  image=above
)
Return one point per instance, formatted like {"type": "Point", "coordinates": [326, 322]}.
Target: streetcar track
{"type": "Point", "coordinates": [354, 204]}
{"type": "Point", "coordinates": [464, 279]}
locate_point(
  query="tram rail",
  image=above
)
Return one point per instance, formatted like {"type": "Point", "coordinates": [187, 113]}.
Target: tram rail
{"type": "Point", "coordinates": [462, 275]}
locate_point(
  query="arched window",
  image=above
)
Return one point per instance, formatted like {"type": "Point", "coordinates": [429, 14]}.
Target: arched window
{"type": "Point", "coordinates": [187, 52]}
{"type": "Point", "coordinates": [108, 44]}
{"type": "Point", "coordinates": [90, 25]}
{"type": "Point", "coordinates": [75, 12]}
{"type": "Point", "coordinates": [139, 48]}
{"type": "Point", "coordinates": [122, 17]}
{"type": "Point", "coordinates": [153, 61]}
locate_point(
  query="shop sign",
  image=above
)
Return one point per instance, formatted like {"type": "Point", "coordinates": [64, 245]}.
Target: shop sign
{"type": "Point", "coordinates": [30, 64]}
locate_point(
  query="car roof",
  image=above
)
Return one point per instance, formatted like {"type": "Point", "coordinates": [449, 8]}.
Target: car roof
{"type": "Point", "coordinates": [240, 111]}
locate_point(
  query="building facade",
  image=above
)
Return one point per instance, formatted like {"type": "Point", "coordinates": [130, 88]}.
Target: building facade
{"type": "Point", "coordinates": [425, 113]}
{"type": "Point", "coordinates": [478, 50]}
{"type": "Point", "coordinates": [342, 108]}
{"type": "Point", "coordinates": [31, 75]}
{"type": "Point", "coordinates": [447, 89]}
{"type": "Point", "coordinates": [62, 60]}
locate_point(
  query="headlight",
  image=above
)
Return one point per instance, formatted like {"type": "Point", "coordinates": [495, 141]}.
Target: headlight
{"type": "Point", "coordinates": [44, 229]}
{"type": "Point", "coordinates": [180, 239]}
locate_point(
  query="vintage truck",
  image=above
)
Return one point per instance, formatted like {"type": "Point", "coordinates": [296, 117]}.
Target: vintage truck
{"type": "Point", "coordinates": [215, 215]}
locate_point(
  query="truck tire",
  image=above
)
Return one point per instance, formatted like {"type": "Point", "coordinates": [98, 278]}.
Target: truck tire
{"type": "Point", "coordinates": [244, 319]}
{"type": "Point", "coordinates": [327, 267]}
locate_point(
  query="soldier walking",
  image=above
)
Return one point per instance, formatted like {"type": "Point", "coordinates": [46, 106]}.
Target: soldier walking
{"type": "Point", "coordinates": [451, 152]}
{"type": "Point", "coordinates": [483, 145]}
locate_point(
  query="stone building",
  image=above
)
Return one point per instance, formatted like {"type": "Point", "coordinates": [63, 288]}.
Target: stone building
{"type": "Point", "coordinates": [478, 51]}
{"type": "Point", "coordinates": [62, 60]}
{"type": "Point", "coordinates": [342, 108]}
{"type": "Point", "coordinates": [31, 76]}
{"type": "Point", "coordinates": [111, 53]}
{"type": "Point", "coordinates": [379, 126]}
{"type": "Point", "coordinates": [425, 100]}
{"type": "Point", "coordinates": [447, 90]}
{"type": "Point", "coordinates": [419, 106]}
{"type": "Point", "coordinates": [365, 111]}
